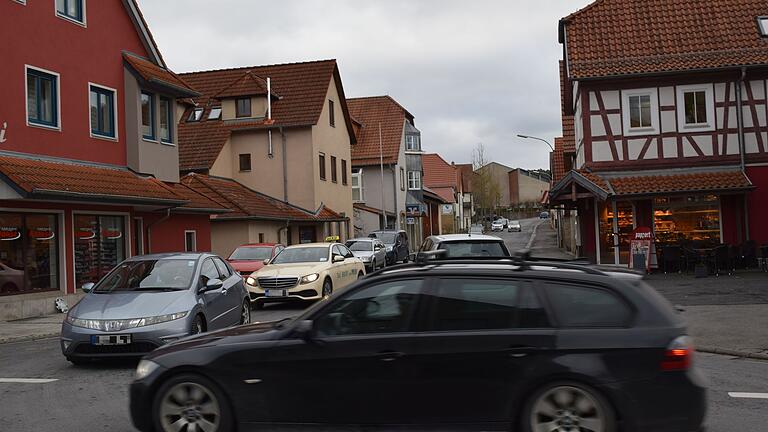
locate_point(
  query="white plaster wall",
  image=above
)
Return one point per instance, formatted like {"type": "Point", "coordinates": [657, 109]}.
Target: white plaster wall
{"type": "Point", "coordinates": [612, 99]}
{"type": "Point", "coordinates": [666, 96]}
{"type": "Point", "coordinates": [668, 121]}
{"type": "Point", "coordinates": [601, 151]}
{"type": "Point", "coordinates": [670, 147]}
{"type": "Point", "coordinates": [597, 126]}
{"type": "Point", "coordinates": [634, 147]}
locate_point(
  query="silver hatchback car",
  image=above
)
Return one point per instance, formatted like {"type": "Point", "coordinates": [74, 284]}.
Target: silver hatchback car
{"type": "Point", "coordinates": [150, 300]}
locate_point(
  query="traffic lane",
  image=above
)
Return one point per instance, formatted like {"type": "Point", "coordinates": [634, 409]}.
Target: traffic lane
{"type": "Point", "coordinates": [516, 241]}
{"type": "Point", "coordinates": [95, 397]}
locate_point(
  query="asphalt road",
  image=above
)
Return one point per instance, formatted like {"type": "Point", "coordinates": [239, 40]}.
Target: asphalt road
{"type": "Point", "coordinates": [95, 398]}
{"type": "Point", "coordinates": [518, 240]}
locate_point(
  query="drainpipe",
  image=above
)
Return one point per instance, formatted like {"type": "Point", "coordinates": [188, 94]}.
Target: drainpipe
{"type": "Point", "coordinates": [149, 228]}
{"type": "Point", "coordinates": [270, 152]}
{"type": "Point", "coordinates": [285, 165]}
{"type": "Point", "coordinates": [742, 143]}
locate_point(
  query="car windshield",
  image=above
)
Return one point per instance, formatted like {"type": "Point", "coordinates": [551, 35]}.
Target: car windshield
{"type": "Point", "coordinates": [302, 255]}
{"type": "Point", "coordinates": [251, 253]}
{"type": "Point", "coordinates": [473, 249]}
{"type": "Point", "coordinates": [360, 245]}
{"type": "Point", "coordinates": [162, 274]}
{"type": "Point", "coordinates": [385, 237]}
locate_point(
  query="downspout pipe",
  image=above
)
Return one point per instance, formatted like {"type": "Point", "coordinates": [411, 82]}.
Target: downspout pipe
{"type": "Point", "coordinates": [742, 143]}
{"type": "Point", "coordinates": [157, 222]}
{"type": "Point", "coordinates": [285, 165]}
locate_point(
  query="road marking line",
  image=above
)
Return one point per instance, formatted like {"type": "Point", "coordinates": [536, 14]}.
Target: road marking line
{"type": "Point", "coordinates": [28, 380]}
{"type": "Point", "coordinates": [748, 395]}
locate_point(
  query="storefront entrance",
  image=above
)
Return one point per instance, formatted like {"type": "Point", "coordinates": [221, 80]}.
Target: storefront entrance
{"type": "Point", "coordinates": [616, 221]}
{"type": "Point", "coordinates": [99, 246]}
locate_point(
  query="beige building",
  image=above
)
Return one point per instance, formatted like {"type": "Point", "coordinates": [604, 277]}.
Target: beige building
{"type": "Point", "coordinates": [282, 132]}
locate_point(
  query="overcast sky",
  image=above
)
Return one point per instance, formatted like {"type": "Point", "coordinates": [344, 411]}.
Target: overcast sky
{"type": "Point", "coordinates": [470, 72]}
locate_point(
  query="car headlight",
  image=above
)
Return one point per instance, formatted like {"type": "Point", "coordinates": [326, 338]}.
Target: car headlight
{"type": "Point", "coordinates": [366, 258]}
{"type": "Point", "coordinates": [389, 248]}
{"type": "Point", "coordinates": [251, 281]}
{"type": "Point", "coordinates": [310, 278]}
{"type": "Point", "coordinates": [145, 368]}
{"type": "Point", "coordinates": [123, 324]}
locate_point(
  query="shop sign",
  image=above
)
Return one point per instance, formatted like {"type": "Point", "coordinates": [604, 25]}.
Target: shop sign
{"type": "Point", "coordinates": [42, 233]}
{"type": "Point", "coordinates": [410, 221]}
{"type": "Point", "coordinates": [111, 234]}
{"type": "Point", "coordinates": [85, 234]}
{"type": "Point", "coordinates": [2, 132]}
{"type": "Point", "coordinates": [447, 208]}
{"type": "Point", "coordinates": [9, 233]}
{"type": "Point", "coordinates": [640, 247]}
{"type": "Point", "coordinates": [414, 210]}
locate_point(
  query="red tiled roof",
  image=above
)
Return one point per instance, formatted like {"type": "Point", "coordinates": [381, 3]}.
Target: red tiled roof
{"type": "Point", "coordinates": [155, 74]}
{"type": "Point", "coordinates": [688, 182]}
{"type": "Point", "coordinates": [467, 175]}
{"type": "Point", "coordinates": [569, 133]}
{"type": "Point", "coordinates": [369, 209]}
{"type": "Point", "coordinates": [438, 172]}
{"type": "Point", "coordinates": [446, 193]}
{"type": "Point", "coordinates": [197, 201]}
{"type": "Point", "coordinates": [623, 37]}
{"type": "Point", "coordinates": [430, 195]}
{"type": "Point", "coordinates": [594, 178]}
{"type": "Point", "coordinates": [247, 203]}
{"type": "Point", "coordinates": [302, 88]}
{"type": "Point", "coordinates": [43, 177]}
{"type": "Point", "coordinates": [558, 161]}
{"type": "Point", "coordinates": [249, 84]}
{"type": "Point", "coordinates": [372, 112]}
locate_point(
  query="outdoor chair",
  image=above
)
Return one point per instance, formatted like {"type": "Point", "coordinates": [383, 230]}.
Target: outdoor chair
{"type": "Point", "coordinates": [689, 258]}
{"type": "Point", "coordinates": [671, 256]}
{"type": "Point", "coordinates": [762, 261]}
{"type": "Point", "coordinates": [719, 260]}
{"type": "Point", "coordinates": [748, 254]}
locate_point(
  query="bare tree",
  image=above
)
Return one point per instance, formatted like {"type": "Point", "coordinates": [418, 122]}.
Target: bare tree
{"type": "Point", "coordinates": [485, 189]}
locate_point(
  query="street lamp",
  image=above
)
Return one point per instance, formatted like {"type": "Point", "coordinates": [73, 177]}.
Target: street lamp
{"type": "Point", "coordinates": [536, 138]}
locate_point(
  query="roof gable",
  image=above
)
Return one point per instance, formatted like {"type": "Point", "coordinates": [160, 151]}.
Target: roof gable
{"type": "Point", "coordinates": [371, 112]}
{"type": "Point", "coordinates": [625, 37]}
{"type": "Point", "coordinates": [249, 84]}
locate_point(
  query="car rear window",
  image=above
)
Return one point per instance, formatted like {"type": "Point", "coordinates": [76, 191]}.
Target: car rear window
{"type": "Point", "coordinates": [473, 249]}
{"type": "Point", "coordinates": [580, 306]}
{"type": "Point", "coordinates": [486, 304]}
{"type": "Point", "coordinates": [251, 253]}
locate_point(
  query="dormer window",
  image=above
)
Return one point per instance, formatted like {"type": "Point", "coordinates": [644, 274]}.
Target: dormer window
{"type": "Point", "coordinates": [195, 115]}
{"type": "Point", "coordinates": [762, 22]}
{"type": "Point", "coordinates": [243, 107]}
{"type": "Point", "coordinates": [215, 113]}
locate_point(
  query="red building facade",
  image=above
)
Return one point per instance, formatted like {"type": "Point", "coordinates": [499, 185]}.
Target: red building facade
{"type": "Point", "coordinates": [88, 157]}
{"type": "Point", "coordinates": [669, 132]}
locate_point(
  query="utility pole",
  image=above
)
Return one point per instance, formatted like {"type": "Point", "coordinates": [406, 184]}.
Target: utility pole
{"type": "Point", "coordinates": [381, 165]}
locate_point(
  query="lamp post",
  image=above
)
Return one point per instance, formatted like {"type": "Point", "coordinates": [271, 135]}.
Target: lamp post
{"type": "Point", "coordinates": [558, 222]}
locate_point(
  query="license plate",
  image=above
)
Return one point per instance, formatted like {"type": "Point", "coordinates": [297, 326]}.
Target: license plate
{"type": "Point", "coordinates": [275, 293]}
{"type": "Point", "coordinates": [124, 339]}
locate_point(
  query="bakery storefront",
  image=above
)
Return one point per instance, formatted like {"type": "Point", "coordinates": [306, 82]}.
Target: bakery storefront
{"type": "Point", "coordinates": [703, 209]}
{"type": "Point", "coordinates": [30, 251]}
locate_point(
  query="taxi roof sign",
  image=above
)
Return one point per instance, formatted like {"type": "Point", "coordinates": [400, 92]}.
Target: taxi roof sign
{"type": "Point", "coordinates": [332, 239]}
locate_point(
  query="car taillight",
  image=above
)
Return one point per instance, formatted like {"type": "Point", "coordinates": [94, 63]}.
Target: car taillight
{"type": "Point", "coordinates": [678, 355]}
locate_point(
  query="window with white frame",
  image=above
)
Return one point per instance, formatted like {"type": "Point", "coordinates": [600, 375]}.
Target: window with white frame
{"type": "Point", "coordinates": [71, 9]}
{"type": "Point", "coordinates": [412, 142]}
{"type": "Point", "coordinates": [190, 241]}
{"type": "Point", "coordinates": [696, 107]}
{"type": "Point", "coordinates": [102, 108]}
{"type": "Point", "coordinates": [42, 98]}
{"type": "Point", "coordinates": [640, 111]}
{"type": "Point", "coordinates": [414, 180]}
{"type": "Point", "coordinates": [357, 185]}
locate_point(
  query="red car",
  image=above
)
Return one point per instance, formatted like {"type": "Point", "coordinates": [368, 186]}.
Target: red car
{"type": "Point", "coordinates": [249, 258]}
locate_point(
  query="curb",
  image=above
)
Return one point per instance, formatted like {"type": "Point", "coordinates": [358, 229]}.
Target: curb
{"type": "Point", "coordinates": [731, 352]}
{"type": "Point", "coordinates": [28, 338]}
{"type": "Point", "coordinates": [533, 235]}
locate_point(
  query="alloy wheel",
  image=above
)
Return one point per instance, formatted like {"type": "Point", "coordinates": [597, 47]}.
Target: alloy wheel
{"type": "Point", "coordinates": [568, 409]}
{"type": "Point", "coordinates": [197, 326]}
{"type": "Point", "coordinates": [189, 406]}
{"type": "Point", "coordinates": [327, 289]}
{"type": "Point", "coordinates": [245, 315]}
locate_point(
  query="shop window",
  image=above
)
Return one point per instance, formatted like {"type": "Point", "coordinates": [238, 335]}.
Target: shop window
{"type": "Point", "coordinates": [29, 253]}
{"type": "Point", "coordinates": [99, 246]}
{"type": "Point", "coordinates": [624, 219]}
{"type": "Point", "coordinates": [687, 218]}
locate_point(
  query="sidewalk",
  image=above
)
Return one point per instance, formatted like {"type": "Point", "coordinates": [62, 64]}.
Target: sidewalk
{"type": "Point", "coordinates": [543, 243]}
{"type": "Point", "coordinates": [31, 328]}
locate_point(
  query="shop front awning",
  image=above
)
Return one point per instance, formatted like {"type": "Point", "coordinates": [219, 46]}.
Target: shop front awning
{"type": "Point", "coordinates": [583, 184]}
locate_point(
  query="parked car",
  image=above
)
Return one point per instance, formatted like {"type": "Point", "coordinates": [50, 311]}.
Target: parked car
{"type": "Point", "coordinates": [150, 300]}
{"type": "Point", "coordinates": [544, 215]}
{"type": "Point", "coordinates": [249, 258]}
{"type": "Point", "coordinates": [396, 243]}
{"type": "Point", "coordinates": [371, 252]}
{"type": "Point", "coordinates": [476, 229]}
{"type": "Point", "coordinates": [309, 271]}
{"type": "Point", "coordinates": [497, 225]}
{"type": "Point", "coordinates": [514, 226]}
{"type": "Point", "coordinates": [464, 245]}
{"type": "Point", "coordinates": [470, 345]}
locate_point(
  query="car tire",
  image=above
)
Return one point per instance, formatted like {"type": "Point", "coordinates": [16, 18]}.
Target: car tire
{"type": "Point", "coordinates": [258, 305]}
{"type": "Point", "coordinates": [568, 404]}
{"type": "Point", "coordinates": [360, 275]}
{"type": "Point", "coordinates": [327, 288]}
{"type": "Point", "coordinates": [198, 326]}
{"type": "Point", "coordinates": [245, 313]}
{"type": "Point", "coordinates": [205, 400]}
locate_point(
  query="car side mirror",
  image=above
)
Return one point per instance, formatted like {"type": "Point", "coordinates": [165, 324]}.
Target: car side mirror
{"type": "Point", "coordinates": [305, 329]}
{"type": "Point", "coordinates": [338, 258]}
{"type": "Point", "coordinates": [87, 287]}
{"type": "Point", "coordinates": [266, 261]}
{"type": "Point", "coordinates": [212, 285]}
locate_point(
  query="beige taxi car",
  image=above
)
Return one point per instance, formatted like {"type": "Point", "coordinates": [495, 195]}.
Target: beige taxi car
{"type": "Point", "coordinates": [310, 271]}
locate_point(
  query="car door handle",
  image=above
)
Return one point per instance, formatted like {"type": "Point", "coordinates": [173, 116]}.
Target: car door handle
{"type": "Point", "coordinates": [389, 356]}
{"type": "Point", "coordinates": [224, 291]}
{"type": "Point", "coordinates": [519, 351]}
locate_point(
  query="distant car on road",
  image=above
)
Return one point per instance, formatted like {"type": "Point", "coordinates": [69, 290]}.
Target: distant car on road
{"type": "Point", "coordinates": [396, 243]}
{"type": "Point", "coordinates": [467, 345]}
{"type": "Point", "coordinates": [544, 215]}
{"type": "Point", "coordinates": [310, 271]}
{"type": "Point", "coordinates": [150, 300]}
{"type": "Point", "coordinates": [497, 225]}
{"type": "Point", "coordinates": [371, 252]}
{"type": "Point", "coordinates": [514, 226]}
{"type": "Point", "coordinates": [464, 245]}
{"type": "Point", "coordinates": [249, 258]}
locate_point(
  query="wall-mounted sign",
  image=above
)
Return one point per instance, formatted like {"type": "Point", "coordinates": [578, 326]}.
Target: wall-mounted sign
{"type": "Point", "coordinates": [447, 208]}
{"type": "Point", "coordinates": [9, 233]}
{"type": "Point", "coordinates": [410, 221]}
{"type": "Point", "coordinates": [2, 132]}
{"type": "Point", "coordinates": [414, 209]}
{"type": "Point", "coordinates": [42, 233]}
